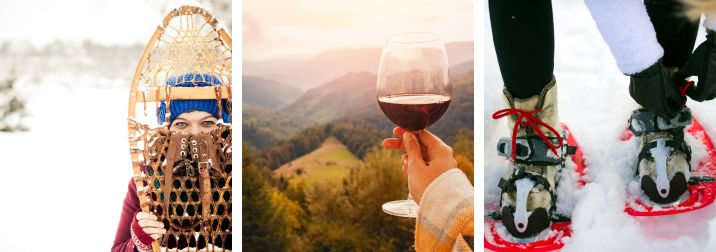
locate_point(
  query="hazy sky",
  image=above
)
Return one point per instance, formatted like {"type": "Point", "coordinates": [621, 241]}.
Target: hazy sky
{"type": "Point", "coordinates": [103, 21]}
{"type": "Point", "coordinates": [301, 28]}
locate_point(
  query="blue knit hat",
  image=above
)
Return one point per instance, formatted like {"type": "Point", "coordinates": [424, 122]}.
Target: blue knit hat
{"type": "Point", "coordinates": [181, 106]}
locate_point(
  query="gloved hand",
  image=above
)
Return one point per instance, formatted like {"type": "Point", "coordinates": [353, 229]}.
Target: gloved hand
{"type": "Point", "coordinates": [701, 63]}
{"type": "Point", "coordinates": [655, 90]}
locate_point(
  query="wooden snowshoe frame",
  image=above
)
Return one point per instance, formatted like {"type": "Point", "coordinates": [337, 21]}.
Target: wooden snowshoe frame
{"type": "Point", "coordinates": [188, 41]}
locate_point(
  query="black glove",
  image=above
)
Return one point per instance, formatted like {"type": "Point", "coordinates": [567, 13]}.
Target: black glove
{"type": "Point", "coordinates": [701, 63]}
{"type": "Point", "coordinates": [655, 90]}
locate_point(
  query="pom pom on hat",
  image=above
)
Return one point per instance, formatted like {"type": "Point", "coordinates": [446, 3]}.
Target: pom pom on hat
{"type": "Point", "coordinates": [178, 107]}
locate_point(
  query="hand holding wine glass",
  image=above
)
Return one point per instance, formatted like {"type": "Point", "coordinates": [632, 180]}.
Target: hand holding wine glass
{"type": "Point", "coordinates": [421, 172]}
{"type": "Point", "coordinates": [414, 91]}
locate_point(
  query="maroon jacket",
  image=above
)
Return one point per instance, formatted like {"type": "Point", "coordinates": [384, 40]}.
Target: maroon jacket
{"type": "Point", "coordinates": [123, 239]}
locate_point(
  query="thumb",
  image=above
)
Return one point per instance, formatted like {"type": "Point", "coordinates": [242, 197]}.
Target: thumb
{"type": "Point", "coordinates": [695, 93]}
{"type": "Point", "coordinates": [412, 148]}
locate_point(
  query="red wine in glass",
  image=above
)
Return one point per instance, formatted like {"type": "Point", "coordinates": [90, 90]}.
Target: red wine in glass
{"type": "Point", "coordinates": [414, 111]}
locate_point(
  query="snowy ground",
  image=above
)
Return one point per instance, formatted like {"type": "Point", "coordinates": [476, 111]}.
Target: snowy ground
{"type": "Point", "coordinates": [63, 182]}
{"type": "Point", "coordinates": [595, 103]}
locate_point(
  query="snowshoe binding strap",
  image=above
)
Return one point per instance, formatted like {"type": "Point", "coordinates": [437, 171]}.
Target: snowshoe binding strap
{"type": "Point", "coordinates": [695, 180]}
{"type": "Point", "coordinates": [509, 185]}
{"type": "Point", "coordinates": [497, 215]}
{"type": "Point", "coordinates": [533, 150]}
{"type": "Point", "coordinates": [678, 144]}
{"type": "Point", "coordinates": [539, 219]}
{"type": "Point", "coordinates": [677, 187]}
{"type": "Point", "coordinates": [643, 121]}
{"type": "Point", "coordinates": [531, 121]}
{"type": "Point", "coordinates": [663, 191]}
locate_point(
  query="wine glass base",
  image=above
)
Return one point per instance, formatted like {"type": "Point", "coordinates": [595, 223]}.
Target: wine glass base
{"type": "Point", "coordinates": [402, 208]}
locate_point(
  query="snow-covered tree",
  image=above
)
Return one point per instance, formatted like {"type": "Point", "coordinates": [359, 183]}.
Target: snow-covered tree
{"type": "Point", "coordinates": [12, 105]}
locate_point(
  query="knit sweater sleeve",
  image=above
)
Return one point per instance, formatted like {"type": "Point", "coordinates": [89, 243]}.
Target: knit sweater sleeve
{"type": "Point", "coordinates": [446, 213]}
{"type": "Point", "coordinates": [122, 239]}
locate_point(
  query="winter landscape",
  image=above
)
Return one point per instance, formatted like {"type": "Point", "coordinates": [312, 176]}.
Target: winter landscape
{"type": "Point", "coordinates": [65, 171]}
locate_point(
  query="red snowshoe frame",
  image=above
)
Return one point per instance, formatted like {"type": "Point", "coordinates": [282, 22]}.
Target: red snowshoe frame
{"type": "Point", "coordinates": [701, 194]}
{"type": "Point", "coordinates": [560, 230]}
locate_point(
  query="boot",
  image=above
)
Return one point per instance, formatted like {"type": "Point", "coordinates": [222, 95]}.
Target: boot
{"type": "Point", "coordinates": [663, 165]}
{"type": "Point", "coordinates": [528, 187]}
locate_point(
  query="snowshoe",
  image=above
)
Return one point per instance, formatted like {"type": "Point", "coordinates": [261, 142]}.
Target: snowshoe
{"type": "Point", "coordinates": [527, 215]}
{"type": "Point", "coordinates": [664, 171]}
{"type": "Point", "coordinates": [184, 179]}
{"type": "Point", "coordinates": [546, 230]}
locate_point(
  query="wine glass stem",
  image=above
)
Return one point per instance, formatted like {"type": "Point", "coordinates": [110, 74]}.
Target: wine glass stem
{"type": "Point", "coordinates": [423, 149]}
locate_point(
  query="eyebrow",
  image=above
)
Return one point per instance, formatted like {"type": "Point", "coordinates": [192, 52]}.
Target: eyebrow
{"type": "Point", "coordinates": [209, 116]}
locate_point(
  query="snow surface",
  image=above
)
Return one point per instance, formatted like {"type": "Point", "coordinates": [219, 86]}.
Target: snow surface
{"type": "Point", "coordinates": [63, 182]}
{"type": "Point", "coordinates": [595, 103]}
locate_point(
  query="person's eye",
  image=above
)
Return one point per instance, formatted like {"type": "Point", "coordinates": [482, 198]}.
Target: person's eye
{"type": "Point", "coordinates": [181, 125]}
{"type": "Point", "coordinates": [208, 124]}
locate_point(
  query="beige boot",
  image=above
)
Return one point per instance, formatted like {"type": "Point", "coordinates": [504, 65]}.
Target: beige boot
{"type": "Point", "coordinates": [524, 185]}
{"type": "Point", "coordinates": [663, 162]}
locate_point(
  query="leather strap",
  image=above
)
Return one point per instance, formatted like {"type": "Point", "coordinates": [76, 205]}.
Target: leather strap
{"type": "Point", "coordinates": [509, 185]}
{"type": "Point", "coordinates": [678, 144]}
{"type": "Point", "coordinates": [533, 150]}
{"type": "Point", "coordinates": [643, 121]}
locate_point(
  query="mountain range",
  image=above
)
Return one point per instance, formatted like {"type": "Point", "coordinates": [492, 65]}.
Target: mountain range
{"type": "Point", "coordinates": [269, 94]}
{"type": "Point", "coordinates": [333, 64]}
{"type": "Point", "coordinates": [274, 110]}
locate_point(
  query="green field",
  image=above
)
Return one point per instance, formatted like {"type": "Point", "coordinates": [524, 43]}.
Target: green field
{"type": "Point", "coordinates": [331, 161]}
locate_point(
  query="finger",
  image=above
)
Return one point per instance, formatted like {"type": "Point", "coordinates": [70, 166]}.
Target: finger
{"type": "Point", "coordinates": [695, 93]}
{"type": "Point", "coordinates": [412, 148]}
{"type": "Point", "coordinates": [150, 223]}
{"type": "Point", "coordinates": [156, 236]}
{"type": "Point", "coordinates": [393, 144]}
{"type": "Point", "coordinates": [398, 131]}
{"type": "Point", "coordinates": [154, 231]}
{"type": "Point", "coordinates": [433, 143]}
{"type": "Point", "coordinates": [146, 216]}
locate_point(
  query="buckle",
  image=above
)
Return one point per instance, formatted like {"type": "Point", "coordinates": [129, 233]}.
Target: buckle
{"type": "Point", "coordinates": [531, 150]}
{"type": "Point", "coordinates": [643, 121]}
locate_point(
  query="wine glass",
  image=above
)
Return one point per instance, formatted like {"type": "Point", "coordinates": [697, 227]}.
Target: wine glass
{"type": "Point", "coordinates": [413, 90]}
